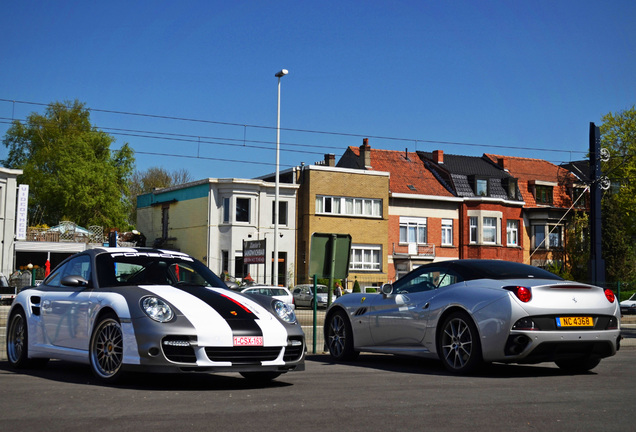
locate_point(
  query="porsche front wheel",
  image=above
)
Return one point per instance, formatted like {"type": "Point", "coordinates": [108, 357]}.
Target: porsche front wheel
{"type": "Point", "coordinates": [107, 349]}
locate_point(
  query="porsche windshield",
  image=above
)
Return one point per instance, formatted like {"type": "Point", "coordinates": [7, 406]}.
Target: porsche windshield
{"type": "Point", "coordinates": [117, 269]}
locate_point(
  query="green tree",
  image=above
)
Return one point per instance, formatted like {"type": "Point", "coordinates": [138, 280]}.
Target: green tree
{"type": "Point", "coordinates": [618, 135]}
{"type": "Point", "coordinates": [71, 171]}
{"type": "Point", "coordinates": [142, 182]}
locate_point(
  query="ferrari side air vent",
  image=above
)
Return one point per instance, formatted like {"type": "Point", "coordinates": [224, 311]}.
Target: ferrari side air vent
{"type": "Point", "coordinates": [360, 311]}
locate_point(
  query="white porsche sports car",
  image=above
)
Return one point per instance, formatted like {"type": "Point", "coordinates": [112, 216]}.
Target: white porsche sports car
{"type": "Point", "coordinates": [121, 309]}
{"type": "Point", "coordinates": [468, 312]}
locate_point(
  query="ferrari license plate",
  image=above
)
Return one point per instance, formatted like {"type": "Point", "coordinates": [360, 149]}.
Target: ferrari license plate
{"type": "Point", "coordinates": [575, 322]}
{"type": "Point", "coordinates": [248, 341]}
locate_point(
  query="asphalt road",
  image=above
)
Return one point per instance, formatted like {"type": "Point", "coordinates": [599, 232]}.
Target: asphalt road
{"type": "Point", "coordinates": [375, 393]}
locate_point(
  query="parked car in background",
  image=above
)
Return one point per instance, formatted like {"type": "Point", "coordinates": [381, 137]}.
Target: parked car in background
{"type": "Point", "coordinates": [304, 295]}
{"type": "Point", "coordinates": [280, 293]}
{"type": "Point", "coordinates": [628, 307]}
{"type": "Point", "coordinates": [470, 312]}
{"type": "Point", "coordinates": [143, 309]}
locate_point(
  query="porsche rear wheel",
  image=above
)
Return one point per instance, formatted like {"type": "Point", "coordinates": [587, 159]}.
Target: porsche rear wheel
{"type": "Point", "coordinates": [107, 349]}
{"type": "Point", "coordinates": [578, 365]}
{"type": "Point", "coordinates": [458, 344]}
{"type": "Point", "coordinates": [339, 337]}
{"type": "Point", "coordinates": [18, 342]}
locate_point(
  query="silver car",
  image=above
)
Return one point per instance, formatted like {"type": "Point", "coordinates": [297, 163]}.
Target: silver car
{"type": "Point", "coordinates": [279, 293]}
{"type": "Point", "coordinates": [304, 295]}
{"type": "Point", "coordinates": [470, 312]}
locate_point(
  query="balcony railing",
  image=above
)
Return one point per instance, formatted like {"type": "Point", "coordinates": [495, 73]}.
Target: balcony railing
{"type": "Point", "coordinates": [421, 250]}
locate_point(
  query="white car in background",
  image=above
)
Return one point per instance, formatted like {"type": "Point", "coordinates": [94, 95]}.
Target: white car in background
{"type": "Point", "coordinates": [628, 307]}
{"type": "Point", "coordinates": [279, 293]}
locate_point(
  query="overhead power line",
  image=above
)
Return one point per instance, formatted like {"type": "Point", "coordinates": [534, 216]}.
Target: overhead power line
{"type": "Point", "coordinates": [308, 131]}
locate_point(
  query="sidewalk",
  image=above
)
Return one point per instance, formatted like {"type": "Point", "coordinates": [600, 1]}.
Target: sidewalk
{"type": "Point", "coordinates": [628, 322]}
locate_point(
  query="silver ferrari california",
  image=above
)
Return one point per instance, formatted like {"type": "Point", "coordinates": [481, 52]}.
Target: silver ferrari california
{"type": "Point", "coordinates": [471, 312]}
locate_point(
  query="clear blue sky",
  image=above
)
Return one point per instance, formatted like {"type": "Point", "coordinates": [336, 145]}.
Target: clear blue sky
{"type": "Point", "coordinates": [503, 76]}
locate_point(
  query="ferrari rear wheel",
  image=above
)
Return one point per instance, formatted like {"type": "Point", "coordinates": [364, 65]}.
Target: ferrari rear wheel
{"type": "Point", "coordinates": [107, 349]}
{"type": "Point", "coordinates": [458, 344]}
{"type": "Point", "coordinates": [578, 365]}
{"type": "Point", "coordinates": [339, 337]}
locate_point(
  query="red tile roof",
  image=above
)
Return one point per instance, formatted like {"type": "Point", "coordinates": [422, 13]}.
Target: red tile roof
{"type": "Point", "coordinates": [526, 170]}
{"type": "Point", "coordinates": [405, 169]}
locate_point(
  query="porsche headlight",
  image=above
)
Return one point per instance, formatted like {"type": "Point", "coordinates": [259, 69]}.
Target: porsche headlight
{"type": "Point", "coordinates": [284, 311]}
{"type": "Point", "coordinates": [157, 309]}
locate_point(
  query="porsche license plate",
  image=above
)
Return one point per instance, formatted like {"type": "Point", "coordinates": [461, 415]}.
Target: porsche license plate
{"type": "Point", "coordinates": [248, 341]}
{"type": "Point", "coordinates": [575, 321]}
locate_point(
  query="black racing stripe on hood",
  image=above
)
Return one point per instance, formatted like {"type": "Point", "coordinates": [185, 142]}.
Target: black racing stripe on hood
{"type": "Point", "coordinates": [240, 319]}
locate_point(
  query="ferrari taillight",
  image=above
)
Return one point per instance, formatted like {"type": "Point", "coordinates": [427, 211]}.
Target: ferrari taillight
{"type": "Point", "coordinates": [609, 294]}
{"type": "Point", "coordinates": [523, 293]}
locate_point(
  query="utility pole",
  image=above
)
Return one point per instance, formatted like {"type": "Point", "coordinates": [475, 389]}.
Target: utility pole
{"type": "Point", "coordinates": [597, 264]}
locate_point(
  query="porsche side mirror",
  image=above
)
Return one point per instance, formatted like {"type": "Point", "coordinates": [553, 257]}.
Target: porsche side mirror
{"type": "Point", "coordinates": [387, 289]}
{"type": "Point", "coordinates": [74, 281]}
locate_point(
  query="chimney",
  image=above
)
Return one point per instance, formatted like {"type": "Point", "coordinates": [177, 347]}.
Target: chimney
{"type": "Point", "coordinates": [330, 159]}
{"type": "Point", "coordinates": [438, 156]}
{"type": "Point", "coordinates": [365, 153]}
{"type": "Point", "coordinates": [503, 163]}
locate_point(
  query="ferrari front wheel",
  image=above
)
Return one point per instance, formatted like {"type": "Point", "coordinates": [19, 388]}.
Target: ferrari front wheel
{"type": "Point", "coordinates": [339, 337]}
{"type": "Point", "coordinates": [107, 349]}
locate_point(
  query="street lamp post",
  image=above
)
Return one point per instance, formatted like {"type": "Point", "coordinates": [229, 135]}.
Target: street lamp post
{"type": "Point", "coordinates": [278, 75]}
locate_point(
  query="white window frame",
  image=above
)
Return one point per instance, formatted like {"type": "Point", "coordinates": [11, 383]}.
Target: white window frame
{"type": "Point", "coordinates": [419, 225]}
{"type": "Point", "coordinates": [249, 210]}
{"type": "Point", "coordinates": [474, 229]}
{"type": "Point", "coordinates": [512, 232]}
{"type": "Point", "coordinates": [349, 206]}
{"type": "Point", "coordinates": [447, 232]}
{"type": "Point", "coordinates": [489, 228]}
{"type": "Point", "coordinates": [366, 258]}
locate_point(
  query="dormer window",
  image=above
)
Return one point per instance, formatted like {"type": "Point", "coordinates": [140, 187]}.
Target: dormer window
{"type": "Point", "coordinates": [480, 186]}
{"type": "Point", "coordinates": [511, 187]}
{"type": "Point", "coordinates": [543, 194]}
{"type": "Point", "coordinates": [543, 191]}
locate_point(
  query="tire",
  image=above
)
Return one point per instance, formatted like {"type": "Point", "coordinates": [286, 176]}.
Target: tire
{"type": "Point", "coordinates": [458, 345]}
{"type": "Point", "coordinates": [18, 343]}
{"type": "Point", "coordinates": [106, 351]}
{"type": "Point", "coordinates": [261, 377]}
{"type": "Point", "coordinates": [578, 365]}
{"type": "Point", "coordinates": [339, 337]}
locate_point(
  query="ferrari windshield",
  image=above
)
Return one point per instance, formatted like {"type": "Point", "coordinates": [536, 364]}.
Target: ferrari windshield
{"type": "Point", "coordinates": [118, 269]}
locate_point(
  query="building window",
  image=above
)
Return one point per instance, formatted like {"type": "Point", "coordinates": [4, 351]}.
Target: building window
{"type": "Point", "coordinates": [538, 234]}
{"type": "Point", "coordinates": [242, 210]}
{"type": "Point", "coordinates": [226, 210]}
{"type": "Point", "coordinates": [413, 230]}
{"type": "Point", "coordinates": [511, 185]}
{"type": "Point", "coordinates": [481, 187]}
{"type": "Point", "coordinates": [543, 194]}
{"type": "Point", "coordinates": [366, 257]}
{"type": "Point", "coordinates": [367, 207]}
{"type": "Point", "coordinates": [473, 229]}
{"type": "Point", "coordinates": [165, 220]}
{"type": "Point", "coordinates": [282, 212]}
{"type": "Point", "coordinates": [225, 261]}
{"type": "Point", "coordinates": [490, 230]}
{"type": "Point", "coordinates": [554, 237]}
{"type": "Point", "coordinates": [447, 232]}
{"type": "Point", "coordinates": [513, 232]}
{"type": "Point", "coordinates": [579, 198]}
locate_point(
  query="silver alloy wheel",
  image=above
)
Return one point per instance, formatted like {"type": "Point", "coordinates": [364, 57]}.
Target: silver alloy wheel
{"type": "Point", "coordinates": [16, 339]}
{"type": "Point", "coordinates": [107, 349]}
{"type": "Point", "coordinates": [337, 336]}
{"type": "Point", "coordinates": [457, 343]}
